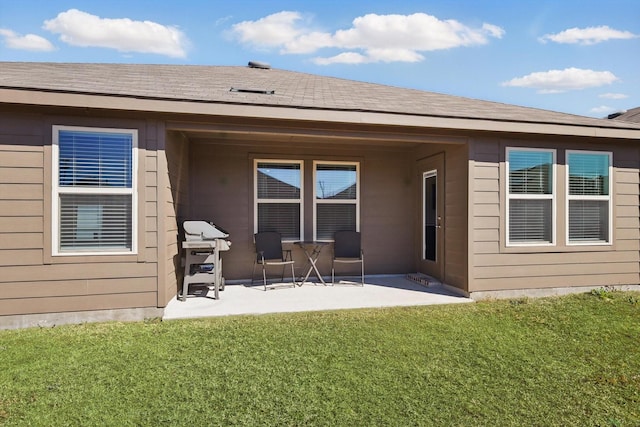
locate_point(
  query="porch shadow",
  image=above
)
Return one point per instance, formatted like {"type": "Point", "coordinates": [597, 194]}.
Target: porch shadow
{"type": "Point", "coordinates": [378, 291]}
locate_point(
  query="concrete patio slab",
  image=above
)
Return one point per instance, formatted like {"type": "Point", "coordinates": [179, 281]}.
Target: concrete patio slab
{"type": "Point", "coordinates": [378, 291]}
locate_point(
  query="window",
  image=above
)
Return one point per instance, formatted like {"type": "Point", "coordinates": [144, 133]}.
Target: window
{"type": "Point", "coordinates": [94, 197]}
{"type": "Point", "coordinates": [589, 197]}
{"type": "Point", "coordinates": [530, 196]}
{"type": "Point", "coordinates": [336, 198]}
{"type": "Point", "coordinates": [278, 197]}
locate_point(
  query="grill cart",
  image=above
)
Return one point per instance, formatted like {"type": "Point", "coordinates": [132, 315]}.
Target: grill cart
{"type": "Point", "coordinates": [202, 245]}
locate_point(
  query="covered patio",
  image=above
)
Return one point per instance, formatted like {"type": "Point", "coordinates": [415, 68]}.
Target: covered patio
{"type": "Point", "coordinates": [378, 291]}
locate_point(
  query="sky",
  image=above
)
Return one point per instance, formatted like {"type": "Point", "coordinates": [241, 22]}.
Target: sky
{"type": "Point", "coordinates": [574, 56]}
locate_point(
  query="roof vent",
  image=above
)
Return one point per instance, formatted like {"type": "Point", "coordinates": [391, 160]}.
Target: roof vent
{"type": "Point", "coordinates": [261, 65]}
{"type": "Point", "coordinates": [260, 91]}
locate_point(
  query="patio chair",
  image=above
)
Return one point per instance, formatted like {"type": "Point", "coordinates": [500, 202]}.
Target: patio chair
{"type": "Point", "coordinates": [269, 252]}
{"type": "Point", "coordinates": [347, 249]}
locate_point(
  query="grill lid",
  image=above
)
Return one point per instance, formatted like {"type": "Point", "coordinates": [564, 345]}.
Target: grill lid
{"type": "Point", "coordinates": [202, 230]}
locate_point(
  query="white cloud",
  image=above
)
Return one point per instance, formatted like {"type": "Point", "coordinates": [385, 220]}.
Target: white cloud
{"type": "Point", "coordinates": [613, 96]}
{"type": "Point", "coordinates": [554, 81]}
{"type": "Point", "coordinates": [31, 42]}
{"type": "Point", "coordinates": [601, 110]}
{"type": "Point", "coordinates": [587, 36]}
{"type": "Point", "coordinates": [79, 28]}
{"type": "Point", "coordinates": [394, 55]}
{"type": "Point", "coordinates": [343, 58]}
{"type": "Point", "coordinates": [494, 30]}
{"type": "Point", "coordinates": [372, 37]}
{"type": "Point", "coordinates": [274, 30]}
{"type": "Point", "coordinates": [223, 20]}
{"type": "Point", "coordinates": [309, 43]}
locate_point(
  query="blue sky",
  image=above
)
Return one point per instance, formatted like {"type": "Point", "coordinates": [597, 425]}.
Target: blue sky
{"type": "Point", "coordinates": [575, 56]}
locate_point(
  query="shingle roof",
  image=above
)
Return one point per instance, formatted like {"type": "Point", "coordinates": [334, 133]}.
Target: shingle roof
{"type": "Point", "coordinates": [213, 84]}
{"type": "Point", "coordinates": [632, 115]}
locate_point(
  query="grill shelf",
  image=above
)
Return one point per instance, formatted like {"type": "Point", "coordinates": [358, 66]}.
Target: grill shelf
{"type": "Point", "coordinates": [203, 265]}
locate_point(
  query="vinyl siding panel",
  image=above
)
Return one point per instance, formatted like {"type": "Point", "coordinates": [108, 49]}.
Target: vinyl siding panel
{"type": "Point", "coordinates": [629, 255]}
{"type": "Point", "coordinates": [20, 224]}
{"type": "Point", "coordinates": [456, 217]}
{"type": "Point", "coordinates": [20, 257]}
{"type": "Point", "coordinates": [77, 303]}
{"type": "Point", "coordinates": [22, 207]}
{"type": "Point", "coordinates": [494, 266]}
{"type": "Point", "coordinates": [173, 167]}
{"type": "Point", "coordinates": [21, 241]}
{"type": "Point", "coordinates": [486, 247]}
{"type": "Point", "coordinates": [22, 175]}
{"type": "Point", "coordinates": [61, 288]}
{"type": "Point", "coordinates": [535, 282]}
{"type": "Point", "coordinates": [486, 197]}
{"type": "Point", "coordinates": [10, 158]}
{"type": "Point", "coordinates": [31, 279]}
{"type": "Point", "coordinates": [80, 271]}
{"type": "Point", "coordinates": [11, 192]}
{"type": "Point", "coordinates": [482, 235]}
{"type": "Point", "coordinates": [21, 193]}
{"type": "Point", "coordinates": [564, 269]}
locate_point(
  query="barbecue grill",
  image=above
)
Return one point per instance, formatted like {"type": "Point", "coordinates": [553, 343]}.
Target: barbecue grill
{"type": "Point", "coordinates": [203, 243]}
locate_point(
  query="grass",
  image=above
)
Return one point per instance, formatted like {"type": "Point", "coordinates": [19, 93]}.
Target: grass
{"type": "Point", "coordinates": [555, 362]}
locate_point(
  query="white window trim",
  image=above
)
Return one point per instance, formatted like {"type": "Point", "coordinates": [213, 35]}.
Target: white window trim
{"type": "Point", "coordinates": [317, 201]}
{"type": "Point", "coordinates": [551, 196]}
{"type": "Point", "coordinates": [608, 198]}
{"type": "Point", "coordinates": [56, 191]}
{"type": "Point", "coordinates": [300, 201]}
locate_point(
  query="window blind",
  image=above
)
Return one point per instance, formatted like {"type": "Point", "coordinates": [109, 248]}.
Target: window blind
{"type": "Point", "coordinates": [589, 220]}
{"type": "Point", "coordinates": [588, 197]}
{"type": "Point", "coordinates": [588, 174]}
{"type": "Point", "coordinates": [94, 190]}
{"type": "Point", "coordinates": [278, 180]}
{"type": "Point", "coordinates": [529, 221]}
{"type": "Point", "coordinates": [530, 172]}
{"type": "Point", "coordinates": [281, 217]}
{"type": "Point", "coordinates": [336, 198]}
{"type": "Point", "coordinates": [90, 221]}
{"type": "Point", "coordinates": [331, 217]}
{"type": "Point", "coordinates": [530, 197]}
{"type": "Point", "coordinates": [279, 198]}
{"type": "Point", "coordinates": [336, 182]}
{"type": "Point", "coordinates": [95, 159]}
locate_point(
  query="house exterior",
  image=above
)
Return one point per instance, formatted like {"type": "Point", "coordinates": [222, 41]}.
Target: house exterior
{"type": "Point", "coordinates": [100, 163]}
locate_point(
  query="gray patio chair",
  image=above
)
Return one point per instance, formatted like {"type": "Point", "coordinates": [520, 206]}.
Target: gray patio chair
{"type": "Point", "coordinates": [269, 252]}
{"type": "Point", "coordinates": [347, 249]}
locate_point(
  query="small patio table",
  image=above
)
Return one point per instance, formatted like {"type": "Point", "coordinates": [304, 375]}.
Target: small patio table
{"type": "Point", "coordinates": [312, 251]}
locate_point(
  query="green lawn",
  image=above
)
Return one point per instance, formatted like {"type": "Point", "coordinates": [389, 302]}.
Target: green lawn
{"type": "Point", "coordinates": [536, 362]}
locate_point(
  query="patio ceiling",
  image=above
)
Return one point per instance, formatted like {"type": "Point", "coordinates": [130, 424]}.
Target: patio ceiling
{"type": "Point", "coordinates": [279, 132]}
